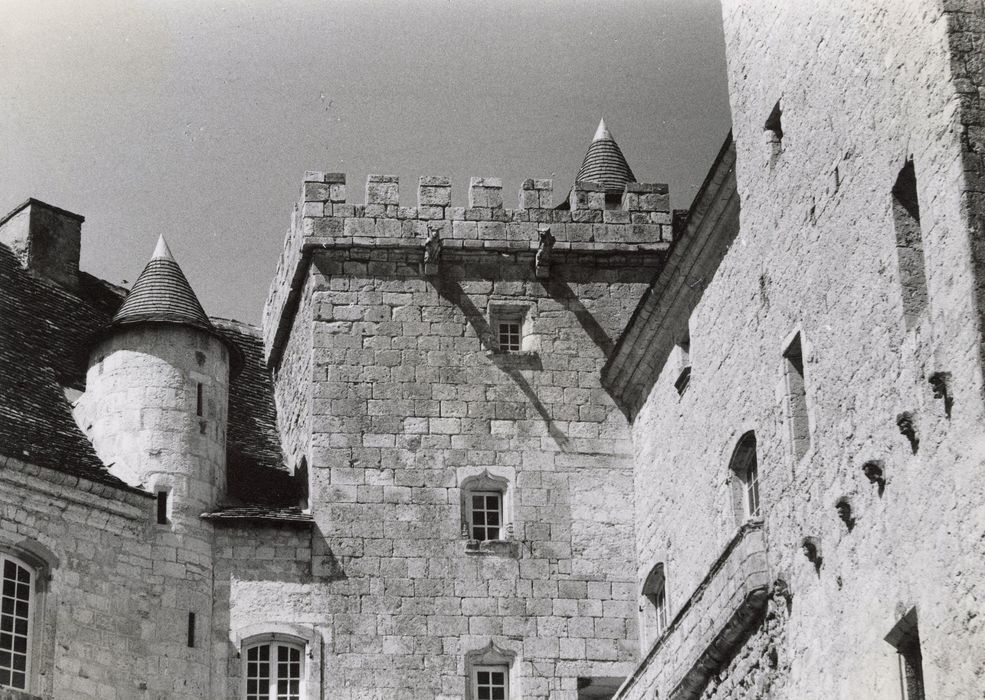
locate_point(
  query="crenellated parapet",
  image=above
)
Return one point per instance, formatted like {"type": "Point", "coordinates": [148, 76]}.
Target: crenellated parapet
{"type": "Point", "coordinates": [590, 222]}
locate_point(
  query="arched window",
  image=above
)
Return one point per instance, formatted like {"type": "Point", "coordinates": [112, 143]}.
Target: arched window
{"type": "Point", "coordinates": [657, 609]}
{"type": "Point", "coordinates": [745, 468]}
{"type": "Point", "coordinates": [274, 671]}
{"type": "Point", "coordinates": [17, 603]}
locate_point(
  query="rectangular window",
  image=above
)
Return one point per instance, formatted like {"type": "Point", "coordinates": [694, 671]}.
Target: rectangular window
{"type": "Point", "coordinates": [198, 400]}
{"type": "Point", "coordinates": [682, 359]}
{"type": "Point", "coordinates": [490, 682]}
{"type": "Point", "coordinates": [15, 625]}
{"type": "Point", "coordinates": [909, 244]}
{"type": "Point", "coordinates": [162, 507]}
{"type": "Point", "coordinates": [191, 629]}
{"type": "Point", "coordinates": [905, 637]}
{"type": "Point", "coordinates": [796, 408]}
{"type": "Point", "coordinates": [660, 609]}
{"type": "Point", "coordinates": [274, 672]}
{"type": "Point", "coordinates": [510, 327]}
{"type": "Point", "coordinates": [487, 515]}
{"type": "Point", "coordinates": [509, 336]}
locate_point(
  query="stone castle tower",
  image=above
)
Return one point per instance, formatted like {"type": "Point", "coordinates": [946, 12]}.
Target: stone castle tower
{"type": "Point", "coordinates": [580, 449]}
{"type": "Point", "coordinates": [427, 356]}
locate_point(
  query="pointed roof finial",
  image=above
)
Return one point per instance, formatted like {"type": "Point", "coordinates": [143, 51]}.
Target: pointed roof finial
{"type": "Point", "coordinates": [162, 294]}
{"type": "Point", "coordinates": [604, 162]}
{"type": "Point", "coordinates": [602, 133]}
{"type": "Point", "coordinates": [162, 252]}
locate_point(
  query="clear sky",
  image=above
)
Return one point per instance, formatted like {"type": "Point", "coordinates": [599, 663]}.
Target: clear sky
{"type": "Point", "coordinates": [198, 118]}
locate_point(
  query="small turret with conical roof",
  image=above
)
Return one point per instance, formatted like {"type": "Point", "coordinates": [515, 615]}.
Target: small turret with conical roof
{"type": "Point", "coordinates": [157, 389]}
{"type": "Point", "coordinates": [604, 163]}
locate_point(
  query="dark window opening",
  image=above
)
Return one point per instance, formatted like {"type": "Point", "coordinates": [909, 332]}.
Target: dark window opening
{"type": "Point", "coordinates": [198, 400]}
{"type": "Point", "coordinates": [746, 470]}
{"type": "Point", "coordinates": [657, 616]}
{"type": "Point", "coordinates": [774, 129]}
{"type": "Point", "coordinates": [162, 507]}
{"type": "Point", "coordinates": [796, 399]}
{"type": "Point", "coordinates": [683, 365]}
{"type": "Point", "coordinates": [905, 638]}
{"type": "Point", "coordinates": [909, 244]}
{"type": "Point", "coordinates": [191, 629]}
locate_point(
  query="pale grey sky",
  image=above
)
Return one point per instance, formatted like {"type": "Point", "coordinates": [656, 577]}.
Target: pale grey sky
{"type": "Point", "coordinates": [198, 118]}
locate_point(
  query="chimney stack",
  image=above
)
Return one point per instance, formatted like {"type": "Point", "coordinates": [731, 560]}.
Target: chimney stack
{"type": "Point", "coordinates": [47, 240]}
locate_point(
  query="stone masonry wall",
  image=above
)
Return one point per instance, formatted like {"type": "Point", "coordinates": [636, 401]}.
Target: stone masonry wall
{"type": "Point", "coordinates": [112, 624]}
{"type": "Point", "coordinates": [411, 398]}
{"type": "Point", "coordinates": [862, 88]}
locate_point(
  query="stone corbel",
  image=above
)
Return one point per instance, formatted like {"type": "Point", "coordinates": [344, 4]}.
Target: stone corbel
{"type": "Point", "coordinates": [432, 253]}
{"type": "Point", "coordinates": [542, 261]}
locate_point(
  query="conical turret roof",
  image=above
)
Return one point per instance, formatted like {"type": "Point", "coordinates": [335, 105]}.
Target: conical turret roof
{"type": "Point", "coordinates": [162, 294]}
{"type": "Point", "coordinates": [604, 164]}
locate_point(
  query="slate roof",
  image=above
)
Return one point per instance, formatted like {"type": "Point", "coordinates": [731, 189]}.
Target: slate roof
{"type": "Point", "coordinates": [604, 163]}
{"type": "Point", "coordinates": [162, 294]}
{"type": "Point", "coordinates": [45, 336]}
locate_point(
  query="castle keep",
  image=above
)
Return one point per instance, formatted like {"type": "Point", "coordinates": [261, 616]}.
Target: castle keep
{"type": "Point", "coordinates": [588, 447]}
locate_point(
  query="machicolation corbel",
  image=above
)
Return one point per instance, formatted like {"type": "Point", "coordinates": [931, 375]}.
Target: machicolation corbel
{"type": "Point", "coordinates": [432, 253]}
{"type": "Point", "coordinates": [542, 261]}
{"type": "Point", "coordinates": [876, 474]}
{"type": "Point", "coordinates": [844, 508]}
{"type": "Point", "coordinates": [811, 547]}
{"type": "Point", "coordinates": [940, 382]}
{"type": "Point", "coordinates": [908, 429]}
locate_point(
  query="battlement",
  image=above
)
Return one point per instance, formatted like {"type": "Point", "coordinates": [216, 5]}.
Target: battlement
{"type": "Point", "coordinates": [324, 194]}
{"type": "Point", "coordinates": [640, 222]}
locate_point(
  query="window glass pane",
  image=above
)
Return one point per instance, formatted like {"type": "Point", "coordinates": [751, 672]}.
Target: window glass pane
{"type": "Point", "coordinates": [14, 624]}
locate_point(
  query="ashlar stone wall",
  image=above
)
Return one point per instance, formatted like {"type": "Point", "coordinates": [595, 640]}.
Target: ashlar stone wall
{"type": "Point", "coordinates": [113, 595]}
{"type": "Point", "coordinates": [861, 88]}
{"type": "Point", "coordinates": [412, 396]}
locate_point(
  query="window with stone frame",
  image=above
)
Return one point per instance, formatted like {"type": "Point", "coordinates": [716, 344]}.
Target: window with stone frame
{"type": "Point", "coordinates": [511, 327]}
{"type": "Point", "coordinates": [484, 511]}
{"type": "Point", "coordinates": [798, 422]}
{"type": "Point", "coordinates": [745, 479]}
{"type": "Point", "coordinates": [656, 608]}
{"type": "Point", "coordinates": [491, 682]}
{"type": "Point", "coordinates": [488, 674]}
{"type": "Point", "coordinates": [274, 671]}
{"type": "Point", "coordinates": [909, 244]}
{"type": "Point", "coordinates": [17, 603]}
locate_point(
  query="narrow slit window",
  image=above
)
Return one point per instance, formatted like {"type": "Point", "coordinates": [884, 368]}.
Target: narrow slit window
{"type": "Point", "coordinates": [191, 629]}
{"type": "Point", "coordinates": [162, 507]}
{"type": "Point", "coordinates": [905, 638]}
{"type": "Point", "coordinates": [796, 399]}
{"type": "Point", "coordinates": [745, 469]}
{"type": "Point", "coordinates": [909, 244]}
{"type": "Point", "coordinates": [682, 352]}
{"type": "Point", "coordinates": [657, 616]}
{"type": "Point", "coordinates": [198, 400]}
{"type": "Point", "coordinates": [774, 129]}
